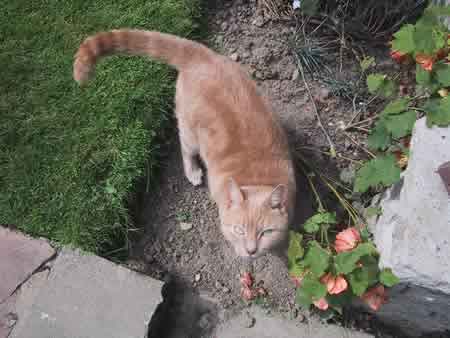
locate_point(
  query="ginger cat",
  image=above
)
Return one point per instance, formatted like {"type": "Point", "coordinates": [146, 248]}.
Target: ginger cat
{"type": "Point", "coordinates": [223, 119]}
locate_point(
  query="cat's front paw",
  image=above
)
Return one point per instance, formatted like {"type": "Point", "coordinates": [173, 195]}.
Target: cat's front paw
{"type": "Point", "coordinates": [195, 177]}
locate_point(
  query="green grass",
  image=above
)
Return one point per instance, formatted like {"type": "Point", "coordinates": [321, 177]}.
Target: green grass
{"type": "Point", "coordinates": [70, 157]}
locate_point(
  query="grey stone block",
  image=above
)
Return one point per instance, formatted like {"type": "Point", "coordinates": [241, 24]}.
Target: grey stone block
{"type": "Point", "coordinates": [20, 256]}
{"type": "Point", "coordinates": [86, 296]}
{"type": "Point", "coordinates": [271, 326]}
{"type": "Point", "coordinates": [413, 233]}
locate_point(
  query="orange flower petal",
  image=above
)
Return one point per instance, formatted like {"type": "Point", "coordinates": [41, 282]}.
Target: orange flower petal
{"type": "Point", "coordinates": [340, 285]}
{"type": "Point", "coordinates": [375, 297]}
{"type": "Point", "coordinates": [247, 279]}
{"type": "Point", "coordinates": [321, 304]}
{"type": "Point", "coordinates": [347, 240]}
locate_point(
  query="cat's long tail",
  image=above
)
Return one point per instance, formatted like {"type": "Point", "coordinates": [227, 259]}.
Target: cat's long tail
{"type": "Point", "coordinates": [177, 52]}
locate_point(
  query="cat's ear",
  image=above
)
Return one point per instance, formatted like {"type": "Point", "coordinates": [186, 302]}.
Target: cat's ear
{"type": "Point", "coordinates": [234, 193]}
{"type": "Point", "coordinates": [278, 197]}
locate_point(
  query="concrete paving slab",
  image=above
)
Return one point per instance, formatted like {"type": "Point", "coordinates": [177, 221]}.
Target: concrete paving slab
{"type": "Point", "coordinates": [85, 296]}
{"type": "Point", "coordinates": [269, 326]}
{"type": "Point", "coordinates": [20, 256]}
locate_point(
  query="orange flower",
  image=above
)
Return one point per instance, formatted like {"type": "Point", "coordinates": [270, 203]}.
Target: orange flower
{"type": "Point", "coordinates": [247, 293]}
{"type": "Point", "coordinates": [321, 304]}
{"type": "Point", "coordinates": [347, 240]}
{"type": "Point", "coordinates": [425, 61]}
{"type": "Point", "coordinates": [335, 284]}
{"type": "Point", "coordinates": [247, 280]}
{"type": "Point", "coordinates": [297, 280]}
{"type": "Point", "coordinates": [375, 297]}
{"type": "Point", "coordinates": [398, 56]}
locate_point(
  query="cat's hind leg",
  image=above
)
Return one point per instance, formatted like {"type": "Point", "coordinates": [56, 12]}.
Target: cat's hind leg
{"type": "Point", "coordinates": [190, 152]}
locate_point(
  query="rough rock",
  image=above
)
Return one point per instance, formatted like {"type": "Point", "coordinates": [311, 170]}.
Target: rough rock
{"type": "Point", "coordinates": [87, 296]}
{"type": "Point", "coordinates": [413, 232]}
{"type": "Point", "coordinates": [413, 237]}
{"type": "Point", "coordinates": [20, 256]}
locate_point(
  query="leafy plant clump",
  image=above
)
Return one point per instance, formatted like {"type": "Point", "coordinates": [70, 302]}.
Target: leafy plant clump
{"type": "Point", "coordinates": [70, 157]}
{"type": "Point", "coordinates": [425, 45]}
{"type": "Point", "coordinates": [329, 273]}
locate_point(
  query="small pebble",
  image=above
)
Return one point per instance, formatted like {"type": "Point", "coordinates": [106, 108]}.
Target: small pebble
{"type": "Point", "coordinates": [185, 226]}
{"type": "Point", "coordinates": [197, 277]}
{"type": "Point", "coordinates": [234, 57]}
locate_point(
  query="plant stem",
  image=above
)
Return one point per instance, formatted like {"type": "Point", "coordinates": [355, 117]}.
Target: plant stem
{"type": "Point", "coordinates": [316, 111]}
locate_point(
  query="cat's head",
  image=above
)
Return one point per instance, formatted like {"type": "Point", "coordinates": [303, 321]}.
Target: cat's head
{"type": "Point", "coordinates": [254, 219]}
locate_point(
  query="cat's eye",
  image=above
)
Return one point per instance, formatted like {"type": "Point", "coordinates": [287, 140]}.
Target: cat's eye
{"type": "Point", "coordinates": [238, 230]}
{"type": "Point", "coordinates": [267, 232]}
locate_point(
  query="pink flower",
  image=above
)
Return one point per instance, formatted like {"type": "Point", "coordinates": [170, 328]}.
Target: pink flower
{"type": "Point", "coordinates": [297, 280]}
{"type": "Point", "coordinates": [321, 304]}
{"type": "Point", "coordinates": [248, 294]}
{"type": "Point", "coordinates": [425, 61]}
{"type": "Point", "coordinates": [247, 280]}
{"type": "Point", "coordinates": [375, 297]}
{"type": "Point", "coordinates": [347, 240]}
{"type": "Point", "coordinates": [335, 284]}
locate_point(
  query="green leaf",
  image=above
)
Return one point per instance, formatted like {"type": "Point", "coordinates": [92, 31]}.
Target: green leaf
{"type": "Point", "coordinates": [438, 10]}
{"type": "Point", "coordinates": [296, 269]}
{"type": "Point", "coordinates": [400, 125]}
{"type": "Point", "coordinates": [362, 278]}
{"type": "Point", "coordinates": [317, 259]}
{"type": "Point", "coordinates": [295, 250]}
{"type": "Point", "coordinates": [423, 38]}
{"type": "Point", "coordinates": [388, 278]}
{"type": "Point", "coordinates": [404, 39]}
{"type": "Point", "coordinates": [366, 63]}
{"type": "Point", "coordinates": [340, 300]}
{"type": "Point", "coordinates": [310, 290]}
{"type": "Point", "coordinates": [381, 85]}
{"type": "Point", "coordinates": [397, 106]}
{"type": "Point", "coordinates": [375, 82]}
{"type": "Point", "coordinates": [422, 76]}
{"type": "Point", "coordinates": [379, 138]}
{"type": "Point", "coordinates": [313, 224]}
{"type": "Point", "coordinates": [443, 75]}
{"type": "Point", "coordinates": [438, 112]}
{"type": "Point", "coordinates": [309, 7]}
{"type": "Point", "coordinates": [302, 298]}
{"type": "Point", "coordinates": [345, 262]}
{"type": "Point", "coordinates": [382, 170]}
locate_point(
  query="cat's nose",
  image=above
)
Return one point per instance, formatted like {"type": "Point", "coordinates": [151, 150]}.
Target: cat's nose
{"type": "Point", "coordinates": [251, 249]}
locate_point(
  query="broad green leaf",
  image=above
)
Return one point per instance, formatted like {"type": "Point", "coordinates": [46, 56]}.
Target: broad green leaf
{"type": "Point", "coordinates": [317, 259]}
{"type": "Point", "coordinates": [313, 224]}
{"type": "Point", "coordinates": [375, 82]}
{"type": "Point", "coordinates": [422, 76]}
{"type": "Point", "coordinates": [379, 84]}
{"type": "Point", "coordinates": [340, 300]}
{"type": "Point", "coordinates": [313, 288]}
{"type": "Point", "coordinates": [396, 106]}
{"type": "Point", "coordinates": [361, 278]}
{"type": "Point", "coordinates": [296, 269]}
{"type": "Point", "coordinates": [424, 39]}
{"type": "Point", "coordinates": [302, 298]}
{"type": "Point", "coordinates": [295, 250]}
{"type": "Point", "coordinates": [438, 10]}
{"type": "Point", "coordinates": [382, 170]}
{"type": "Point", "coordinates": [388, 278]}
{"type": "Point", "coordinates": [345, 262]}
{"type": "Point", "coordinates": [379, 138]}
{"type": "Point", "coordinates": [401, 124]}
{"type": "Point", "coordinates": [438, 112]}
{"type": "Point", "coordinates": [443, 75]}
{"type": "Point", "coordinates": [366, 63]}
{"type": "Point", "coordinates": [404, 39]}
